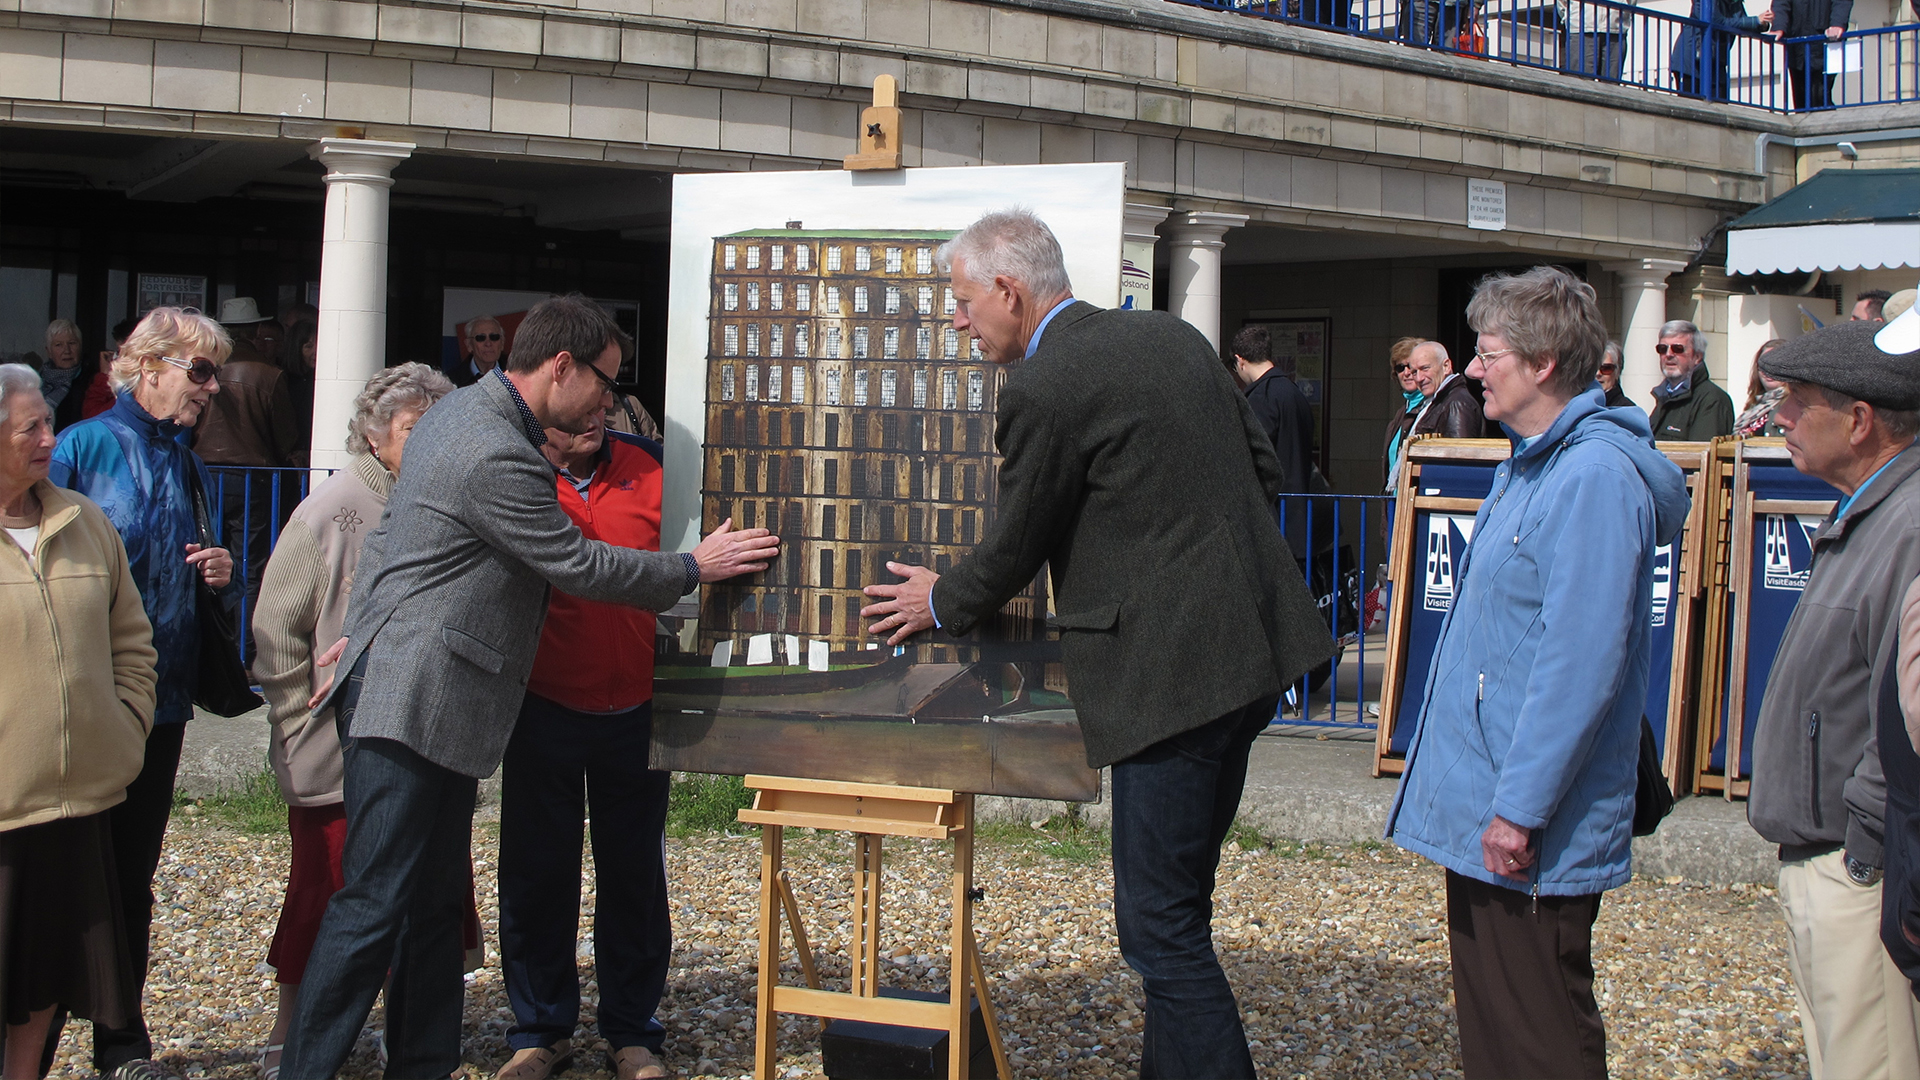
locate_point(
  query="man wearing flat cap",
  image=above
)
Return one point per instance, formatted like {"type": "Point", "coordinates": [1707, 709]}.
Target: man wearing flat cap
{"type": "Point", "coordinates": [1850, 415]}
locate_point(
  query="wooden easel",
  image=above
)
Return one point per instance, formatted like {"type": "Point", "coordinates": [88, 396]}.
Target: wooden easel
{"type": "Point", "coordinates": [871, 812]}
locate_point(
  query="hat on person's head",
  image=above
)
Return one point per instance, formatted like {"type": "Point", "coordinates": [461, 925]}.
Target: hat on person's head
{"type": "Point", "coordinates": [1843, 357]}
{"type": "Point", "coordinates": [241, 311]}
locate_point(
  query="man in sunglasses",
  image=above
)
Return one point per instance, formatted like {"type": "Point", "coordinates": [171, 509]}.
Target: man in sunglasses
{"type": "Point", "coordinates": [486, 343]}
{"type": "Point", "coordinates": [1688, 406]}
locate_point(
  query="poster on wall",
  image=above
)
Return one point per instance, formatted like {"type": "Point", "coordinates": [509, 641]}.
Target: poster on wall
{"type": "Point", "coordinates": [171, 290]}
{"type": "Point", "coordinates": [817, 387]}
{"type": "Point", "coordinates": [459, 307]}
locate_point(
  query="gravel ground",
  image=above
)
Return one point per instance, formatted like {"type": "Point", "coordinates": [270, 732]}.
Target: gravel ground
{"type": "Point", "coordinates": [1339, 958]}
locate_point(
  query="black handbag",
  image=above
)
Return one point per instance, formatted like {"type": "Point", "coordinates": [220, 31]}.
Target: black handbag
{"type": "Point", "coordinates": [221, 684]}
{"type": "Point", "coordinates": [1652, 795]}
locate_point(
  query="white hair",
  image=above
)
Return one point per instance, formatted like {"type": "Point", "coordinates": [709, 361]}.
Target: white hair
{"type": "Point", "coordinates": [412, 386]}
{"type": "Point", "coordinates": [1434, 346]}
{"type": "Point", "coordinates": [16, 379]}
{"type": "Point", "coordinates": [61, 326]}
{"type": "Point", "coordinates": [1681, 327]}
{"type": "Point", "coordinates": [1012, 243]}
{"type": "Point", "coordinates": [479, 319]}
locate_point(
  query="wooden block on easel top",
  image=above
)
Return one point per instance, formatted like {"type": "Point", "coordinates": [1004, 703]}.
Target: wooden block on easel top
{"type": "Point", "coordinates": [879, 129]}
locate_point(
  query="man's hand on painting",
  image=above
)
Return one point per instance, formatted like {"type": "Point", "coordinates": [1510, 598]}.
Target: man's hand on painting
{"type": "Point", "coordinates": [729, 552]}
{"type": "Point", "coordinates": [907, 608]}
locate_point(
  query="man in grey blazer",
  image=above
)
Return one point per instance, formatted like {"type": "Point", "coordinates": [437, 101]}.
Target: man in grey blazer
{"type": "Point", "coordinates": [1135, 471]}
{"type": "Point", "coordinates": [447, 607]}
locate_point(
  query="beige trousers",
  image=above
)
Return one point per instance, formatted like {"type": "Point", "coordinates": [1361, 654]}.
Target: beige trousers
{"type": "Point", "coordinates": [1856, 1009]}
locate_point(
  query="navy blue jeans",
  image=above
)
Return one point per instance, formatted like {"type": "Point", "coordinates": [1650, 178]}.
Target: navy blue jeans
{"type": "Point", "coordinates": [1173, 804]}
{"type": "Point", "coordinates": [561, 767]}
{"type": "Point", "coordinates": [409, 833]}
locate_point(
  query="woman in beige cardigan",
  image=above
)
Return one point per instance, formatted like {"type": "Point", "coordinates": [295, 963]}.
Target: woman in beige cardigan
{"type": "Point", "coordinates": [76, 696]}
{"type": "Point", "coordinates": [303, 603]}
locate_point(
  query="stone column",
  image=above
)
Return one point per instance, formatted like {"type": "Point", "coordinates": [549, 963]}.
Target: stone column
{"type": "Point", "coordinates": [1194, 294]}
{"type": "Point", "coordinates": [1138, 240]}
{"type": "Point", "coordinates": [352, 342]}
{"type": "Point", "coordinates": [1643, 304]}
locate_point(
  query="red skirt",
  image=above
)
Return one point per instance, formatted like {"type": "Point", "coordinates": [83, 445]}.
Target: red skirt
{"type": "Point", "coordinates": [314, 875]}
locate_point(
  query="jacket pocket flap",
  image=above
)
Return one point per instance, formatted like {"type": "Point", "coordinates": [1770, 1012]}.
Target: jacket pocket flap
{"type": "Point", "coordinates": [473, 650]}
{"type": "Point", "coordinates": [1100, 618]}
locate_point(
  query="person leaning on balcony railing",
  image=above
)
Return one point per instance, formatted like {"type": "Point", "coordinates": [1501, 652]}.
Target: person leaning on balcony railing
{"type": "Point", "coordinates": [1434, 22]}
{"type": "Point", "coordinates": [1700, 54]}
{"type": "Point", "coordinates": [1594, 37]}
{"type": "Point", "coordinates": [1807, 62]}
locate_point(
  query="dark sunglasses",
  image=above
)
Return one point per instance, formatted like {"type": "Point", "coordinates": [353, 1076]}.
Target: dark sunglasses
{"type": "Point", "coordinates": [199, 372]}
{"type": "Point", "coordinates": [487, 337]}
{"type": "Point", "coordinates": [1399, 369]}
{"type": "Point", "coordinates": [1665, 349]}
{"type": "Point", "coordinates": [1609, 368]}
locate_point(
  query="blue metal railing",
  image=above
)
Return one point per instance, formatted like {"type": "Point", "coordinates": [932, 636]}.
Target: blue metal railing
{"type": "Point", "coordinates": [1347, 535]}
{"type": "Point", "coordinates": [1628, 45]}
{"type": "Point", "coordinates": [249, 507]}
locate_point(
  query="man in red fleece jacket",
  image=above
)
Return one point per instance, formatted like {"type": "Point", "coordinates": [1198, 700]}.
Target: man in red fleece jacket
{"type": "Point", "coordinates": [580, 741]}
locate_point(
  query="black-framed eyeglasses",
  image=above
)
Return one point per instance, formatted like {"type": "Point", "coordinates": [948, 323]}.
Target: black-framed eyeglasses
{"type": "Point", "coordinates": [200, 370]}
{"type": "Point", "coordinates": [1677, 350]}
{"type": "Point", "coordinates": [605, 379]}
{"type": "Point", "coordinates": [487, 337]}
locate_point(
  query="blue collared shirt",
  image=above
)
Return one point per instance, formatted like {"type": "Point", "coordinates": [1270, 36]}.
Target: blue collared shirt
{"type": "Point", "coordinates": [1033, 342]}
{"type": "Point", "coordinates": [1841, 510]}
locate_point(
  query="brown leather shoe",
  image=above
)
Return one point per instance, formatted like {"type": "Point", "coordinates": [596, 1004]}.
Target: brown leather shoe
{"type": "Point", "coordinates": [537, 1062]}
{"type": "Point", "coordinates": [637, 1063]}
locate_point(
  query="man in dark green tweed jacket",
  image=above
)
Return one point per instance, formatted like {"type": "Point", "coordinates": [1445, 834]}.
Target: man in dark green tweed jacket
{"type": "Point", "coordinates": [1133, 468]}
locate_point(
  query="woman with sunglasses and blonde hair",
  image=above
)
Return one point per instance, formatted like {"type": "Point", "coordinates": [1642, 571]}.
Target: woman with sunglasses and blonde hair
{"type": "Point", "coordinates": [131, 462]}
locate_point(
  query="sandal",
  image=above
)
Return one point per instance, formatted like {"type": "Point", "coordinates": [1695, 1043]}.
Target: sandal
{"type": "Point", "coordinates": [271, 1072]}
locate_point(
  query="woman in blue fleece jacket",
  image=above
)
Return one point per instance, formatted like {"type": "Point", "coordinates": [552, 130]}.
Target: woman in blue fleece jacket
{"type": "Point", "coordinates": [1520, 777]}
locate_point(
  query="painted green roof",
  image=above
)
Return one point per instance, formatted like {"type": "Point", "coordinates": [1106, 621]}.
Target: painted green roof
{"type": "Point", "coordinates": [842, 234]}
{"type": "Point", "coordinates": [1839, 196]}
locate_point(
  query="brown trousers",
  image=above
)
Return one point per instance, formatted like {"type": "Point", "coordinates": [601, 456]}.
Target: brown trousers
{"type": "Point", "coordinates": [1523, 983]}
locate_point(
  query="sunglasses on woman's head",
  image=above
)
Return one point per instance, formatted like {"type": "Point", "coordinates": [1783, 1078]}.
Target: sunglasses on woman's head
{"type": "Point", "coordinates": [486, 337]}
{"type": "Point", "coordinates": [199, 371]}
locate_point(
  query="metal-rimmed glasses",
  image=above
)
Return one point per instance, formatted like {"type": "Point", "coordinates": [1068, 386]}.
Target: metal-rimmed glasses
{"type": "Point", "coordinates": [200, 370]}
{"type": "Point", "coordinates": [1487, 358]}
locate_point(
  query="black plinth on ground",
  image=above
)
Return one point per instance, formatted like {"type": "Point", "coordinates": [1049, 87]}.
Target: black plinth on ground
{"type": "Point", "coordinates": [860, 1050]}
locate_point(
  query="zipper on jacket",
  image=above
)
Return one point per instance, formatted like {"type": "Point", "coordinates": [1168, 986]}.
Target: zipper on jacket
{"type": "Point", "coordinates": [1813, 768]}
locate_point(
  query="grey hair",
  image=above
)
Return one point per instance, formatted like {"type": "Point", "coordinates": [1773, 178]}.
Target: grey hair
{"type": "Point", "coordinates": [407, 386]}
{"type": "Point", "coordinates": [61, 326]}
{"type": "Point", "coordinates": [1544, 314]}
{"type": "Point", "coordinates": [1445, 357]}
{"type": "Point", "coordinates": [1696, 340]}
{"type": "Point", "coordinates": [1612, 353]}
{"type": "Point", "coordinates": [477, 320]}
{"type": "Point", "coordinates": [1012, 243]}
{"type": "Point", "coordinates": [15, 379]}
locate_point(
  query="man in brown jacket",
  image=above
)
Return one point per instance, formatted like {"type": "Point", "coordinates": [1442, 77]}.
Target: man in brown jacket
{"type": "Point", "coordinates": [251, 422]}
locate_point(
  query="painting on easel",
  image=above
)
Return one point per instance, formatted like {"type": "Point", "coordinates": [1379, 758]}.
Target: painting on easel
{"type": "Point", "coordinates": [818, 388]}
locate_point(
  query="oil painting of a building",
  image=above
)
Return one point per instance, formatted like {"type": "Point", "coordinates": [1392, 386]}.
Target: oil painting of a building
{"type": "Point", "coordinates": [846, 414]}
